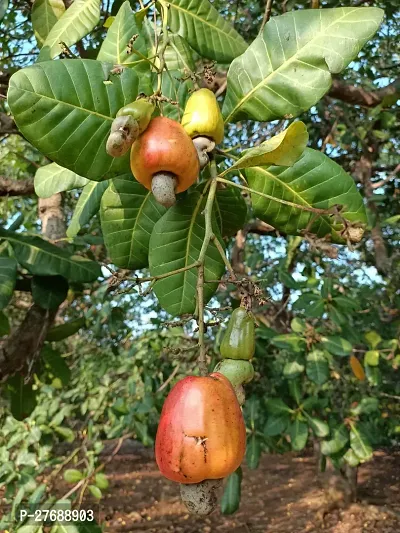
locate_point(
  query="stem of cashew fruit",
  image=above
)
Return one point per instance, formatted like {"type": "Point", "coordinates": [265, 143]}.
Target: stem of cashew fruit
{"type": "Point", "coordinates": [208, 235]}
{"type": "Point", "coordinates": [163, 188]}
{"type": "Point", "coordinates": [165, 42]}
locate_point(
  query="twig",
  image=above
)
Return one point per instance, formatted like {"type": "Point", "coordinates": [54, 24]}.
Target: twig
{"type": "Point", "coordinates": [166, 275]}
{"type": "Point", "coordinates": [165, 42]}
{"type": "Point", "coordinates": [223, 255]}
{"type": "Point", "coordinates": [267, 14]}
{"type": "Point", "coordinates": [171, 377]}
{"type": "Point", "coordinates": [388, 178]}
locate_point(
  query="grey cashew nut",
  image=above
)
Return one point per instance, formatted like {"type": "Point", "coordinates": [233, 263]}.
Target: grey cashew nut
{"type": "Point", "coordinates": [124, 132]}
{"type": "Point", "coordinates": [203, 145]}
{"type": "Point", "coordinates": [163, 188]}
{"type": "Point", "coordinates": [201, 498]}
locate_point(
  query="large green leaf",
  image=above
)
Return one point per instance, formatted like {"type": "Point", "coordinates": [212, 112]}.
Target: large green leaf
{"type": "Point", "coordinates": [313, 181]}
{"type": "Point", "coordinates": [4, 324]}
{"type": "Point", "coordinates": [298, 432]}
{"type": "Point", "coordinates": [231, 210]}
{"type": "Point", "coordinates": [337, 345]}
{"type": "Point", "coordinates": [79, 19]}
{"type": "Point", "coordinates": [116, 47]}
{"type": "Point", "coordinates": [87, 206]}
{"type": "Point", "coordinates": [289, 67]}
{"type": "Point", "coordinates": [179, 56]}
{"type": "Point", "coordinates": [317, 367]}
{"type": "Point", "coordinates": [8, 276]}
{"type": "Point", "coordinates": [175, 243]}
{"type": "Point", "coordinates": [284, 149]}
{"type": "Point", "coordinates": [360, 444]}
{"type": "Point", "coordinates": [65, 108]}
{"type": "Point", "coordinates": [128, 214]}
{"type": "Point", "coordinates": [205, 29]}
{"type": "Point", "coordinates": [253, 451]}
{"type": "Point", "coordinates": [45, 13]}
{"type": "Point", "coordinates": [56, 364]}
{"type": "Point", "coordinates": [52, 179]}
{"type": "Point", "coordinates": [231, 498]}
{"type": "Point", "coordinates": [42, 258]}
{"type": "Point", "coordinates": [337, 443]}
{"type": "Point", "coordinates": [275, 425]}
{"type": "Point", "coordinates": [22, 397]}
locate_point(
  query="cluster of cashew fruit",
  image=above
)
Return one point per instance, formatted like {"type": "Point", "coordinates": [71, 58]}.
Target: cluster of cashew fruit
{"type": "Point", "coordinates": [201, 437]}
{"type": "Point", "coordinates": [167, 156]}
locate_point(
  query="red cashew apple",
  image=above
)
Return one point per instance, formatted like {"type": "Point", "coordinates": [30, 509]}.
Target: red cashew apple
{"type": "Point", "coordinates": [164, 159]}
{"type": "Point", "coordinates": [201, 434]}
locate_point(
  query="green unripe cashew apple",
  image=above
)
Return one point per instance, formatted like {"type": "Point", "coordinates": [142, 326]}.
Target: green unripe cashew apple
{"type": "Point", "coordinates": [130, 122]}
{"type": "Point", "coordinates": [239, 373]}
{"type": "Point", "coordinates": [164, 160]}
{"type": "Point", "coordinates": [203, 121]}
{"type": "Point", "coordinates": [239, 339]}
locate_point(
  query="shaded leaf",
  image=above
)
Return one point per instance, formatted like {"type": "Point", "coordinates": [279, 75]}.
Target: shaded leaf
{"type": "Point", "coordinates": [4, 324]}
{"type": "Point", "coordinates": [298, 432]}
{"type": "Point", "coordinates": [22, 398]}
{"type": "Point", "coordinates": [360, 444]}
{"type": "Point", "coordinates": [231, 498]}
{"type": "Point", "coordinates": [56, 364]}
{"type": "Point", "coordinates": [8, 276]}
{"type": "Point", "coordinates": [87, 206]}
{"type": "Point", "coordinates": [337, 345]}
{"type": "Point", "coordinates": [277, 406]}
{"type": "Point", "coordinates": [317, 367]}
{"type": "Point", "coordinates": [42, 258]}
{"type": "Point", "coordinates": [253, 452]}
{"type": "Point", "coordinates": [49, 291]}
{"type": "Point", "coordinates": [58, 333]}
{"type": "Point", "coordinates": [128, 215]}
{"type": "Point", "coordinates": [176, 243]}
{"type": "Point", "coordinates": [51, 179]}
{"type": "Point", "coordinates": [276, 425]}
{"type": "Point", "coordinates": [314, 181]}
{"type": "Point", "coordinates": [289, 66]}
{"type": "Point", "coordinates": [231, 210]}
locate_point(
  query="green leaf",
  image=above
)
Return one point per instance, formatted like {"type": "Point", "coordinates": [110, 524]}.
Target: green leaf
{"type": "Point", "coordinates": [77, 21]}
{"type": "Point", "coordinates": [37, 495]}
{"type": "Point", "coordinates": [101, 481]}
{"type": "Point", "coordinates": [366, 406]}
{"type": "Point", "coordinates": [317, 367]}
{"type": "Point", "coordinates": [298, 325]}
{"type": "Point", "coordinates": [253, 452]}
{"type": "Point", "coordinates": [205, 29]}
{"type": "Point", "coordinates": [66, 433]}
{"type": "Point", "coordinates": [51, 179]}
{"type": "Point", "coordinates": [373, 339]}
{"type": "Point", "coordinates": [178, 90]}
{"type": "Point", "coordinates": [87, 206]}
{"type": "Point", "coordinates": [128, 214]}
{"type": "Point", "coordinates": [8, 276]}
{"type": "Point", "coordinates": [72, 475]}
{"type": "Point", "coordinates": [292, 369]}
{"type": "Point", "coordinates": [295, 390]}
{"type": "Point", "coordinates": [287, 279]}
{"type": "Point", "coordinates": [56, 363]}
{"type": "Point", "coordinates": [22, 397]}
{"type": "Point", "coordinates": [298, 432]}
{"type": "Point", "coordinates": [231, 498]}
{"type": "Point", "coordinates": [337, 443]}
{"type": "Point", "coordinates": [319, 427]}
{"type": "Point", "coordinates": [45, 13]}
{"type": "Point", "coordinates": [58, 104]}
{"type": "Point", "coordinates": [371, 358]}
{"type": "Point", "coordinates": [276, 425]}
{"type": "Point", "coordinates": [179, 55]}
{"type": "Point", "coordinates": [314, 181]}
{"type": "Point", "coordinates": [277, 406]}
{"type": "Point", "coordinates": [360, 444]}
{"type": "Point", "coordinates": [116, 47]}
{"type": "Point", "coordinates": [289, 66]}
{"type": "Point", "coordinates": [176, 243]}
{"type": "Point", "coordinates": [351, 458]}
{"type": "Point", "coordinates": [95, 491]}
{"type": "Point", "coordinates": [337, 345]}
{"type": "Point", "coordinates": [49, 291]}
{"type": "Point", "coordinates": [42, 258]}
{"type": "Point", "coordinates": [289, 340]}
{"type": "Point", "coordinates": [284, 149]}
{"type": "Point", "coordinates": [315, 309]}
{"type": "Point", "coordinates": [231, 210]}
{"type": "Point", "coordinates": [4, 324]}
{"type": "Point", "coordinates": [59, 333]}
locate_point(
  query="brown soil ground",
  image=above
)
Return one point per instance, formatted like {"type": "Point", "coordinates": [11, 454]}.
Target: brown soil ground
{"type": "Point", "coordinates": [282, 496]}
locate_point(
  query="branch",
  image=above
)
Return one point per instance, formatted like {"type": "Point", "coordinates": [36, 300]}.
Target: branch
{"type": "Point", "coordinates": [9, 187]}
{"type": "Point", "coordinates": [359, 96]}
